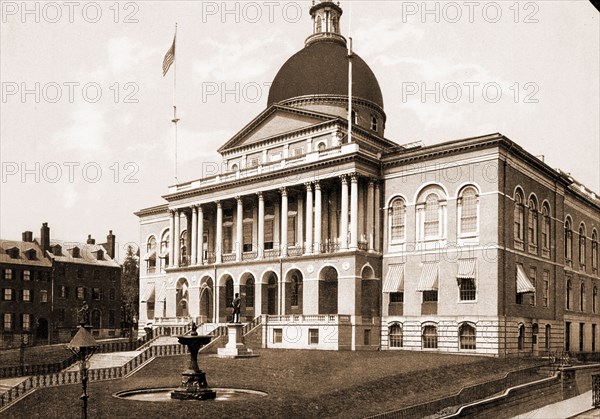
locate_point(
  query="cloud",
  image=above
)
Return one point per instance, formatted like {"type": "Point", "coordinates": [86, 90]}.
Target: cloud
{"type": "Point", "coordinates": [86, 132]}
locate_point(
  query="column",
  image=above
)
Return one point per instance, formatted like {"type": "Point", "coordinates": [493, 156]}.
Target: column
{"type": "Point", "coordinates": [353, 211]}
{"type": "Point", "coordinates": [176, 239]}
{"type": "Point", "coordinates": [257, 297]}
{"type": "Point", "coordinates": [300, 221]}
{"type": "Point", "coordinates": [377, 217]}
{"type": "Point", "coordinates": [194, 255]}
{"type": "Point", "coordinates": [219, 235]}
{"type": "Point", "coordinates": [370, 221]}
{"type": "Point", "coordinates": [188, 238]}
{"type": "Point", "coordinates": [200, 235]}
{"type": "Point", "coordinates": [344, 214]}
{"type": "Point", "coordinates": [239, 246]}
{"type": "Point", "coordinates": [317, 239]}
{"type": "Point", "coordinates": [172, 240]}
{"type": "Point", "coordinates": [309, 219]}
{"type": "Point", "coordinates": [261, 226]}
{"type": "Point", "coordinates": [284, 221]}
{"type": "Point", "coordinates": [216, 302]}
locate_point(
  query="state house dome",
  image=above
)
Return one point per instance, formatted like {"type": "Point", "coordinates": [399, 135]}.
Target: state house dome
{"type": "Point", "coordinates": [321, 67]}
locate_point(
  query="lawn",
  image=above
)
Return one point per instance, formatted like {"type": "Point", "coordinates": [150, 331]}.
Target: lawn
{"type": "Point", "coordinates": [300, 384]}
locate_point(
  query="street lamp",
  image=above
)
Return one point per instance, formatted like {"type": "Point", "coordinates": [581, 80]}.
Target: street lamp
{"type": "Point", "coordinates": [83, 345]}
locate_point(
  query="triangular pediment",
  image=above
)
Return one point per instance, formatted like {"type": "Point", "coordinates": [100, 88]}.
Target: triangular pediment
{"type": "Point", "coordinates": [276, 120]}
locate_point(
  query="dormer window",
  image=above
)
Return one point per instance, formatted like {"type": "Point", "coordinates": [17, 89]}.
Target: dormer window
{"type": "Point", "coordinates": [75, 252]}
{"type": "Point", "coordinates": [57, 250]}
{"type": "Point", "coordinates": [374, 123]}
{"type": "Point", "coordinates": [99, 254]}
{"type": "Point", "coordinates": [13, 252]}
{"type": "Point", "coordinates": [31, 254]}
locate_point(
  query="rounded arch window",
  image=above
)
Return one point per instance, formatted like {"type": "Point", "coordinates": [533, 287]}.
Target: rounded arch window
{"type": "Point", "coordinates": [467, 336]}
{"type": "Point", "coordinates": [395, 336]}
{"type": "Point", "coordinates": [398, 220]}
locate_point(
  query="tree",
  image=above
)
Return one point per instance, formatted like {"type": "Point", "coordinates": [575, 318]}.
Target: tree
{"type": "Point", "coordinates": [130, 288]}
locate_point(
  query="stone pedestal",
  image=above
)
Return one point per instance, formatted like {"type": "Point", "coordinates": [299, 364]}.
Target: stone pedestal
{"type": "Point", "coordinates": [235, 347]}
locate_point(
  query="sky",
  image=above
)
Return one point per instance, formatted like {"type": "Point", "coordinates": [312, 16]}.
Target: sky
{"type": "Point", "coordinates": [86, 137]}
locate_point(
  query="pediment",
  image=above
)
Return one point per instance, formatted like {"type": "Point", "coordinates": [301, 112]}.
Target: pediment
{"type": "Point", "coordinates": [276, 120]}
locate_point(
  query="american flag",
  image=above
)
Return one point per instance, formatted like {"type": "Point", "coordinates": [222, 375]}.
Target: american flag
{"type": "Point", "coordinates": [169, 57]}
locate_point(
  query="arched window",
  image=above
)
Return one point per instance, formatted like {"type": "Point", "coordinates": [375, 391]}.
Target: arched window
{"type": "Point", "coordinates": [183, 248]}
{"type": "Point", "coordinates": [374, 123]}
{"type": "Point", "coordinates": [295, 290]}
{"type": "Point", "coordinates": [582, 297]}
{"type": "Point", "coordinates": [432, 216]}
{"type": "Point", "coordinates": [235, 168]}
{"type": "Point", "coordinates": [429, 337]}
{"type": "Point", "coordinates": [532, 225]}
{"type": "Point", "coordinates": [164, 248]}
{"type": "Point", "coordinates": [569, 295]}
{"type": "Point", "coordinates": [519, 218]}
{"type": "Point", "coordinates": [595, 299]}
{"type": "Point", "coordinates": [595, 251]}
{"type": "Point", "coordinates": [319, 25]}
{"type": "Point", "coordinates": [395, 336]}
{"type": "Point", "coordinates": [521, 337]}
{"type": "Point", "coordinates": [151, 255]}
{"type": "Point", "coordinates": [151, 245]}
{"type": "Point", "coordinates": [250, 292]}
{"type": "Point", "coordinates": [321, 147]}
{"type": "Point", "coordinates": [582, 246]}
{"type": "Point", "coordinates": [467, 336]}
{"type": "Point", "coordinates": [568, 241]}
{"type": "Point", "coordinates": [546, 226]}
{"type": "Point", "coordinates": [354, 117]}
{"type": "Point", "coordinates": [468, 203]}
{"type": "Point", "coordinates": [228, 292]}
{"type": "Point", "coordinates": [398, 220]}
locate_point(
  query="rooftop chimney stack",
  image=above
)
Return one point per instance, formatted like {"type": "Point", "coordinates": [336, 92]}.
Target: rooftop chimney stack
{"type": "Point", "coordinates": [27, 236]}
{"type": "Point", "coordinates": [90, 240]}
{"type": "Point", "coordinates": [110, 244]}
{"type": "Point", "coordinates": [45, 238]}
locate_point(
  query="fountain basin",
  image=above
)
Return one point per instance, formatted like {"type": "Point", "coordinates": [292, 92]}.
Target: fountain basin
{"type": "Point", "coordinates": [164, 395]}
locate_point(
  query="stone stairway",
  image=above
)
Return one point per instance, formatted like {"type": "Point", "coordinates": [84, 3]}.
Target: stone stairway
{"type": "Point", "coordinates": [7, 384]}
{"type": "Point", "coordinates": [108, 360]}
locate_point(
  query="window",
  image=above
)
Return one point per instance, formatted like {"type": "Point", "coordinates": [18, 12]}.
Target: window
{"type": "Point", "coordinates": [521, 337]}
{"type": "Point", "coordinates": [374, 123]}
{"type": "Point", "coordinates": [396, 297]}
{"type": "Point", "coordinates": [467, 337]}
{"type": "Point", "coordinates": [532, 226]}
{"type": "Point", "coordinates": [26, 295]}
{"type": "Point", "coordinates": [64, 291]}
{"type": "Point", "coordinates": [568, 242]}
{"type": "Point", "coordinates": [95, 293]}
{"type": "Point", "coordinates": [250, 292]}
{"type": "Point", "coordinates": [297, 151]}
{"type": "Point", "coordinates": [582, 247]}
{"type": "Point", "coordinates": [228, 292]}
{"type": "Point", "coordinates": [61, 314]}
{"type": "Point", "coordinates": [398, 220]}
{"type": "Point", "coordinates": [467, 289]}
{"type": "Point", "coordinates": [581, 336]}
{"type": "Point", "coordinates": [25, 321]}
{"type": "Point", "coordinates": [80, 293]}
{"type": "Point", "coordinates": [595, 300]}
{"type": "Point", "coordinates": [593, 338]}
{"type": "Point", "coordinates": [151, 256]}
{"type": "Point", "coordinates": [548, 334]}
{"type": "Point", "coordinates": [164, 248]}
{"type": "Point", "coordinates": [247, 236]}
{"type": "Point", "coordinates": [567, 336]}
{"type": "Point", "coordinates": [227, 238]}
{"type": "Point", "coordinates": [429, 337]}
{"type": "Point", "coordinates": [519, 215]}
{"type": "Point", "coordinates": [96, 274]}
{"type": "Point", "coordinates": [277, 335]}
{"type": "Point", "coordinates": [291, 233]}
{"type": "Point", "coordinates": [569, 294]}
{"type": "Point", "coordinates": [582, 297]}
{"type": "Point", "coordinates": [269, 234]}
{"type": "Point", "coordinates": [546, 227]}
{"type": "Point", "coordinates": [111, 294]}
{"type": "Point", "coordinates": [430, 296]}
{"type": "Point", "coordinates": [8, 322]}
{"type": "Point", "coordinates": [533, 279]}
{"type": "Point", "coordinates": [111, 318]}
{"type": "Point", "coordinates": [546, 290]}
{"type": "Point", "coordinates": [26, 275]}
{"type": "Point", "coordinates": [8, 274]}
{"type": "Point", "coordinates": [354, 117]}
{"type": "Point", "coordinates": [8, 294]}
{"type": "Point", "coordinates": [468, 202]}
{"type": "Point", "coordinates": [395, 336]}
{"type": "Point", "coordinates": [595, 251]}
{"type": "Point", "coordinates": [80, 273]}
{"type": "Point", "coordinates": [367, 337]}
{"type": "Point", "coordinates": [313, 336]}
{"type": "Point", "coordinates": [432, 216]}
{"type": "Point", "coordinates": [322, 147]}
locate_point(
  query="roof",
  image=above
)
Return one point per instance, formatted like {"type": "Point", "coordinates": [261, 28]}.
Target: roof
{"type": "Point", "coordinates": [321, 68]}
{"type": "Point", "coordinates": [22, 258]}
{"type": "Point", "coordinates": [88, 254]}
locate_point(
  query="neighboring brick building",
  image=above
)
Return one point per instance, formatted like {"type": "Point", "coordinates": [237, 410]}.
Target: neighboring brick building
{"type": "Point", "coordinates": [44, 284]}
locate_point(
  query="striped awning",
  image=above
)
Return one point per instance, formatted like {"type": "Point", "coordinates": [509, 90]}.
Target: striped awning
{"type": "Point", "coordinates": [164, 254]}
{"type": "Point", "coordinates": [394, 281]}
{"type": "Point", "coordinates": [466, 268]}
{"type": "Point", "coordinates": [429, 277]}
{"type": "Point", "coordinates": [148, 295]}
{"type": "Point", "coordinates": [162, 294]}
{"type": "Point", "coordinates": [150, 255]}
{"type": "Point", "coordinates": [523, 283]}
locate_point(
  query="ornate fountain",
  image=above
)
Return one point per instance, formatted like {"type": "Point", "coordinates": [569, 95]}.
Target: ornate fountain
{"type": "Point", "coordinates": [193, 380]}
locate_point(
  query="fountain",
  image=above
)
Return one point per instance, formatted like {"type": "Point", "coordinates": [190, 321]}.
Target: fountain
{"type": "Point", "coordinates": [193, 380]}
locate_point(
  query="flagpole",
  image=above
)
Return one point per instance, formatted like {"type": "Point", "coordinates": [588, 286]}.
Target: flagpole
{"type": "Point", "coordinates": [175, 120]}
{"type": "Point", "coordinates": [350, 76]}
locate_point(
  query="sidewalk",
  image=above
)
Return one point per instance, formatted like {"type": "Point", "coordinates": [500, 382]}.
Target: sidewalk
{"type": "Point", "coordinates": [569, 408]}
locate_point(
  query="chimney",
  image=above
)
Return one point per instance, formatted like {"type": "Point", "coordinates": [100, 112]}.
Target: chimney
{"type": "Point", "coordinates": [27, 236]}
{"type": "Point", "coordinates": [45, 238]}
{"type": "Point", "coordinates": [90, 240]}
{"type": "Point", "coordinates": [110, 244]}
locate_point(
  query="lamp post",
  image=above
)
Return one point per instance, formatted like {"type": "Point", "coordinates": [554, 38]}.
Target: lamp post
{"type": "Point", "coordinates": [83, 345]}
